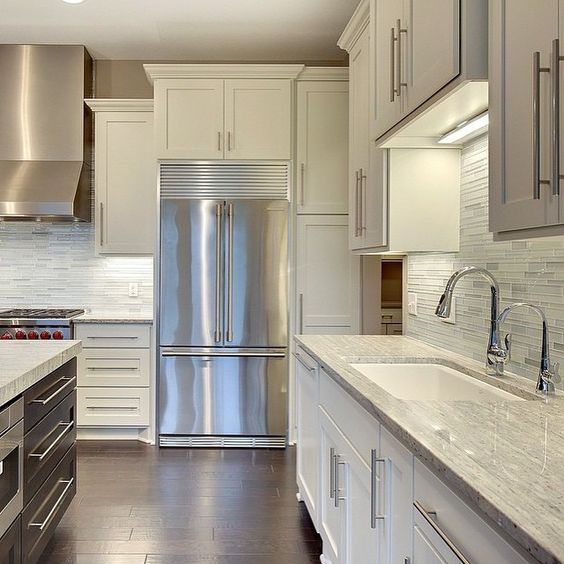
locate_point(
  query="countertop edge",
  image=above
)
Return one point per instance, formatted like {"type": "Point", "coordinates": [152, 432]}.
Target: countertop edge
{"type": "Point", "coordinates": [108, 320]}
{"type": "Point", "coordinates": [470, 495]}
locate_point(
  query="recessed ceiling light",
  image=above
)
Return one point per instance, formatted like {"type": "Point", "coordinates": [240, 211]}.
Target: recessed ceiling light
{"type": "Point", "coordinates": [73, 1]}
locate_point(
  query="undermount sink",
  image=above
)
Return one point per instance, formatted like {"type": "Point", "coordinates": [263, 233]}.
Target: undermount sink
{"type": "Point", "coordinates": [431, 382]}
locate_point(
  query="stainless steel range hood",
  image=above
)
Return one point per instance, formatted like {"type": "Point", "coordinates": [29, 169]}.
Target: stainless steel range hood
{"type": "Point", "coordinates": [45, 133]}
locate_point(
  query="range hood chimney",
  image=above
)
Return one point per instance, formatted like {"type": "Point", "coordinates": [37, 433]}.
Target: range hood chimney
{"type": "Point", "coordinates": [45, 133]}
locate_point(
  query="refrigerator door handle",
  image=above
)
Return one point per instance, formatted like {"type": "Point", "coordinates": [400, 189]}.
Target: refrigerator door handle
{"type": "Point", "coordinates": [230, 219]}
{"type": "Point", "coordinates": [225, 353]}
{"type": "Point", "coordinates": [218, 214]}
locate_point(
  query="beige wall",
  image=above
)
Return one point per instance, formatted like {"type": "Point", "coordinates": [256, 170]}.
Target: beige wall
{"type": "Point", "coordinates": [126, 79]}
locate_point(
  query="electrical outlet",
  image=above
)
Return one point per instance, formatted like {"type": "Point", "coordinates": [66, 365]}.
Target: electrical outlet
{"type": "Point", "coordinates": [412, 303]}
{"type": "Point", "coordinates": [451, 319]}
{"type": "Point", "coordinates": [133, 290]}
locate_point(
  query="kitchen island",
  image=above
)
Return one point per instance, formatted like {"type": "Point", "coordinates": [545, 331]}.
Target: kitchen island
{"type": "Point", "coordinates": [502, 459]}
{"type": "Point", "coordinates": [37, 443]}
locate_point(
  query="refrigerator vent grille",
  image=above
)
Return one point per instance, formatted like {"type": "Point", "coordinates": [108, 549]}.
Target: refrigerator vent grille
{"type": "Point", "coordinates": [217, 441]}
{"type": "Point", "coordinates": [225, 179]}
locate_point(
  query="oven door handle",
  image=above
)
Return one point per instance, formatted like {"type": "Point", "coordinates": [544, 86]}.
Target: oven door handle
{"type": "Point", "coordinates": [45, 401]}
{"type": "Point", "coordinates": [58, 438]}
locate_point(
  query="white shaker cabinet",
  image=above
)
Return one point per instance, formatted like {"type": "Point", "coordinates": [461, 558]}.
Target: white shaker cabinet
{"type": "Point", "coordinates": [125, 177]}
{"type": "Point", "coordinates": [322, 144]}
{"type": "Point", "coordinates": [327, 276]}
{"type": "Point", "coordinates": [523, 188]}
{"type": "Point", "coordinates": [223, 111]}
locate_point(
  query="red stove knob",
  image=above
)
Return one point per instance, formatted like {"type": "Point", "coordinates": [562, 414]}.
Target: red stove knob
{"type": "Point", "coordinates": [45, 335]}
{"type": "Point", "coordinates": [33, 335]}
{"type": "Point", "coordinates": [58, 335]}
{"type": "Point", "coordinates": [6, 337]}
{"type": "Point", "coordinates": [20, 335]}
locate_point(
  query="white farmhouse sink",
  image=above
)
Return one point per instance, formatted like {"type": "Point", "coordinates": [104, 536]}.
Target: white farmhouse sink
{"type": "Point", "coordinates": [431, 382]}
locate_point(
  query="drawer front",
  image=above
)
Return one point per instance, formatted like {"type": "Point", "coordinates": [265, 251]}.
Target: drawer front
{"type": "Point", "coordinates": [47, 393]}
{"type": "Point", "coordinates": [114, 367]}
{"type": "Point", "coordinates": [113, 407]}
{"type": "Point", "coordinates": [43, 513]}
{"type": "Point", "coordinates": [392, 315]}
{"type": "Point", "coordinates": [460, 527]}
{"type": "Point", "coordinates": [359, 427]}
{"type": "Point", "coordinates": [46, 444]}
{"type": "Point", "coordinates": [114, 335]}
{"type": "Point", "coordinates": [394, 329]}
{"type": "Point", "coordinates": [11, 544]}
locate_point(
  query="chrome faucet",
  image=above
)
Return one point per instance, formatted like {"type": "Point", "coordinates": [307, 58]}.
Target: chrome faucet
{"type": "Point", "coordinates": [547, 371]}
{"type": "Point", "coordinates": [496, 356]}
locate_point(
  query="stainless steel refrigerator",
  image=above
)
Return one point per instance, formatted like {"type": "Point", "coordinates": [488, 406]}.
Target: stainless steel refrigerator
{"type": "Point", "coordinates": [223, 304]}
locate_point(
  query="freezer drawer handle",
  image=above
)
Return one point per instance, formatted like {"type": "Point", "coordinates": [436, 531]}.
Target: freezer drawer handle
{"type": "Point", "coordinates": [56, 506]}
{"type": "Point", "coordinates": [45, 401]}
{"type": "Point", "coordinates": [60, 436]}
{"type": "Point", "coordinates": [428, 516]}
{"type": "Point", "coordinates": [257, 354]}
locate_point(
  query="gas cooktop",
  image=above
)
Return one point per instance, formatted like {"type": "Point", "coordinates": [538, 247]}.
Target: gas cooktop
{"type": "Point", "coordinates": [56, 313]}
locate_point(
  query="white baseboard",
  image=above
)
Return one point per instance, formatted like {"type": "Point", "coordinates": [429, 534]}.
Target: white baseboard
{"type": "Point", "coordinates": [112, 434]}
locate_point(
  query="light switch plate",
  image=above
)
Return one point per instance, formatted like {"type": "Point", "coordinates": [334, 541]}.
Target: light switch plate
{"type": "Point", "coordinates": [412, 303]}
{"type": "Point", "coordinates": [133, 290]}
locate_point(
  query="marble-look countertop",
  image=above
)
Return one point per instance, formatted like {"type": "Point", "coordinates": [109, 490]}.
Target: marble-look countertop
{"type": "Point", "coordinates": [24, 363]}
{"type": "Point", "coordinates": [113, 317]}
{"type": "Point", "coordinates": [505, 458]}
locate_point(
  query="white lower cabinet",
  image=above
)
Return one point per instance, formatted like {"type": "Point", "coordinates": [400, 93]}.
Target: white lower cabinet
{"type": "Point", "coordinates": [114, 374]}
{"type": "Point", "coordinates": [371, 500]}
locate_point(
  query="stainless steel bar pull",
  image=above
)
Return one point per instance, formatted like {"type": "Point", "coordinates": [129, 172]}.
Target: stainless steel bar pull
{"type": "Point", "coordinates": [356, 204]}
{"type": "Point", "coordinates": [399, 62]}
{"type": "Point", "coordinates": [555, 70]}
{"type": "Point", "coordinates": [101, 224]}
{"type": "Point", "coordinates": [301, 313]}
{"type": "Point", "coordinates": [537, 181]}
{"type": "Point", "coordinates": [393, 41]}
{"type": "Point", "coordinates": [374, 515]}
{"type": "Point", "coordinates": [218, 214]}
{"type": "Point", "coordinates": [331, 473]}
{"type": "Point", "coordinates": [230, 220]}
{"type": "Point", "coordinates": [302, 184]}
{"type": "Point", "coordinates": [362, 191]}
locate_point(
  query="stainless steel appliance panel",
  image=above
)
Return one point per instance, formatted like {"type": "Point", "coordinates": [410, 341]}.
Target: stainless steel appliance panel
{"type": "Point", "coordinates": [191, 263]}
{"type": "Point", "coordinates": [256, 273]}
{"type": "Point", "coordinates": [221, 392]}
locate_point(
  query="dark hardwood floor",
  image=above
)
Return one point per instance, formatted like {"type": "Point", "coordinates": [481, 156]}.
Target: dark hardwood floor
{"type": "Point", "coordinates": [138, 504]}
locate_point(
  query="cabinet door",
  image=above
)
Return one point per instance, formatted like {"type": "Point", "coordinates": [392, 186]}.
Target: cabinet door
{"type": "Point", "coordinates": [327, 277]}
{"type": "Point", "coordinates": [126, 183]}
{"type": "Point", "coordinates": [387, 77]}
{"type": "Point", "coordinates": [307, 455]}
{"type": "Point", "coordinates": [189, 119]}
{"type": "Point", "coordinates": [332, 502]}
{"type": "Point", "coordinates": [518, 29]}
{"type": "Point", "coordinates": [359, 67]}
{"type": "Point", "coordinates": [258, 120]}
{"type": "Point", "coordinates": [397, 476]}
{"type": "Point", "coordinates": [432, 47]}
{"type": "Point", "coordinates": [323, 122]}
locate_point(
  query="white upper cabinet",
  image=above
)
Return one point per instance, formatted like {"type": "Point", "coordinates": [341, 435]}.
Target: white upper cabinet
{"type": "Point", "coordinates": [258, 119]}
{"type": "Point", "coordinates": [327, 277]}
{"type": "Point", "coordinates": [189, 119]}
{"type": "Point", "coordinates": [322, 148]}
{"type": "Point", "coordinates": [524, 190]}
{"type": "Point", "coordinates": [223, 111]}
{"type": "Point", "coordinates": [125, 177]}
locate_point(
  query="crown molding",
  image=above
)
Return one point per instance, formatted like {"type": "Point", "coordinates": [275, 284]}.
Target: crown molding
{"type": "Point", "coordinates": [325, 73]}
{"type": "Point", "coordinates": [357, 24]}
{"type": "Point", "coordinates": [159, 71]}
{"type": "Point", "coordinates": [119, 104]}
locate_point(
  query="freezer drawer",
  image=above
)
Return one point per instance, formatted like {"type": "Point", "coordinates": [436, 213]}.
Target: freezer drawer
{"type": "Point", "coordinates": [220, 393]}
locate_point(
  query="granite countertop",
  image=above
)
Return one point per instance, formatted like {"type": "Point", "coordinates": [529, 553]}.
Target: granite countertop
{"type": "Point", "coordinates": [113, 317]}
{"type": "Point", "coordinates": [24, 363]}
{"type": "Point", "coordinates": [505, 458]}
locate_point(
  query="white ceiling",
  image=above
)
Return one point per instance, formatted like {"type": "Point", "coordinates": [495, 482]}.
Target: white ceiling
{"type": "Point", "coordinates": [198, 30]}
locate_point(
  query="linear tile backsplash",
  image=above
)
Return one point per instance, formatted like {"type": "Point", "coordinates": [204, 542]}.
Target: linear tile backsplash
{"type": "Point", "coordinates": [529, 270]}
{"type": "Point", "coordinates": [54, 265]}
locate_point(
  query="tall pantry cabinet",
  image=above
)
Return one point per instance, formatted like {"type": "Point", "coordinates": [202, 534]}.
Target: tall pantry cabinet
{"type": "Point", "coordinates": [327, 274]}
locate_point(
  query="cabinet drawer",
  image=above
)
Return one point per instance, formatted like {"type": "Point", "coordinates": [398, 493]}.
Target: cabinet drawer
{"type": "Point", "coordinates": [114, 367]}
{"type": "Point", "coordinates": [43, 513]}
{"type": "Point", "coordinates": [392, 315]}
{"type": "Point", "coordinates": [459, 525]}
{"type": "Point", "coordinates": [47, 393]}
{"type": "Point", "coordinates": [394, 329]}
{"type": "Point", "coordinates": [359, 427]}
{"type": "Point", "coordinates": [46, 443]}
{"type": "Point", "coordinates": [114, 335]}
{"type": "Point", "coordinates": [113, 407]}
{"type": "Point", "coordinates": [11, 544]}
